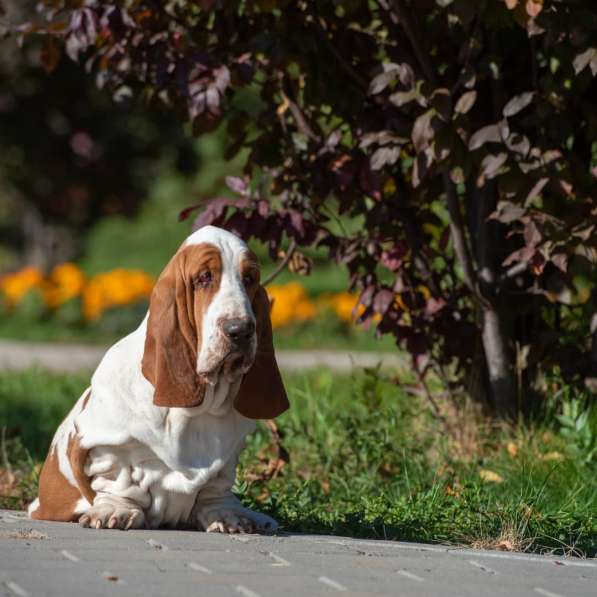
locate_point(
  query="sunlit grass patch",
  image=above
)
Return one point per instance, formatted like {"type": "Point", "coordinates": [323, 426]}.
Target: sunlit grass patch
{"type": "Point", "coordinates": [367, 458]}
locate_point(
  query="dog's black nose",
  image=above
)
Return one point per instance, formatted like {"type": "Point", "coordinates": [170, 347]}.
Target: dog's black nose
{"type": "Point", "coordinates": [239, 331]}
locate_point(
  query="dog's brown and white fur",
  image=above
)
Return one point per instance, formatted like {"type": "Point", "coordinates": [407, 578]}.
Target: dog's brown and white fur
{"type": "Point", "coordinates": [156, 438]}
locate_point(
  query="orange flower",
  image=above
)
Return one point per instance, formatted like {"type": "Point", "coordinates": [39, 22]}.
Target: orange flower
{"type": "Point", "coordinates": [15, 286]}
{"type": "Point", "coordinates": [290, 304]}
{"type": "Point", "coordinates": [115, 288]}
{"type": "Point", "coordinates": [344, 305]}
{"type": "Point", "coordinates": [65, 283]}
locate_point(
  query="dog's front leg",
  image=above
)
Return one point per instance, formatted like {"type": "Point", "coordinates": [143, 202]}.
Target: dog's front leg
{"type": "Point", "coordinates": [113, 512]}
{"type": "Point", "coordinates": [218, 510]}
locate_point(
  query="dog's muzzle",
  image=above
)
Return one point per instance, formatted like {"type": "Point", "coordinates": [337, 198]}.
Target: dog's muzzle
{"type": "Point", "coordinates": [240, 334]}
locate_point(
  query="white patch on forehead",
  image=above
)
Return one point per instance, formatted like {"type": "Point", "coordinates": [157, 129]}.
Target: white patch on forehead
{"type": "Point", "coordinates": [218, 237]}
{"type": "Point", "coordinates": [229, 302]}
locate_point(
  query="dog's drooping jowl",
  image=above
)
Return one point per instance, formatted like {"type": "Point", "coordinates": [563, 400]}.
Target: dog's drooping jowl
{"type": "Point", "coordinates": [155, 440]}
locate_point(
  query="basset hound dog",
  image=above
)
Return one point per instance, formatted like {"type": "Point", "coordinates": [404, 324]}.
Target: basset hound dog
{"type": "Point", "coordinates": [155, 440]}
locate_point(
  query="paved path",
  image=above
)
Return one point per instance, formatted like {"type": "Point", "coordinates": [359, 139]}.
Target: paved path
{"type": "Point", "coordinates": [77, 357]}
{"type": "Point", "coordinates": [64, 560]}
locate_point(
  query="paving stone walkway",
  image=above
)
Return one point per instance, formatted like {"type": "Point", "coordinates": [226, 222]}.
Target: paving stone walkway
{"type": "Point", "coordinates": [64, 560]}
{"type": "Point", "coordinates": [15, 354]}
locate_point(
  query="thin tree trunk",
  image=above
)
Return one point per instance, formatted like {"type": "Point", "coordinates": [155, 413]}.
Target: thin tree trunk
{"type": "Point", "coordinates": [593, 358]}
{"type": "Point", "coordinates": [481, 280]}
{"type": "Point", "coordinates": [495, 318]}
{"type": "Point", "coordinates": [502, 379]}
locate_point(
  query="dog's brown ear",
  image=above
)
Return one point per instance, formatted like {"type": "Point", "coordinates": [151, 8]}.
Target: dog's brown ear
{"type": "Point", "coordinates": [170, 357]}
{"type": "Point", "coordinates": [262, 394]}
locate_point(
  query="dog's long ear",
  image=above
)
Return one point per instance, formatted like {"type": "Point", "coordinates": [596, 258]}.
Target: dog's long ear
{"type": "Point", "coordinates": [262, 394]}
{"type": "Point", "coordinates": [170, 357]}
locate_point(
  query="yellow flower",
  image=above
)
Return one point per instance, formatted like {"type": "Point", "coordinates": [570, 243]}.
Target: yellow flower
{"type": "Point", "coordinates": [15, 286]}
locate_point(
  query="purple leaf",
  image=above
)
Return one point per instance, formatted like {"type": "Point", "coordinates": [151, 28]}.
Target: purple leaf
{"type": "Point", "coordinates": [491, 166]}
{"type": "Point", "coordinates": [422, 132]}
{"type": "Point", "coordinates": [215, 212]}
{"type": "Point", "coordinates": [487, 134]}
{"type": "Point", "coordinates": [536, 190]}
{"type": "Point", "coordinates": [393, 258]}
{"type": "Point", "coordinates": [582, 60]}
{"type": "Point", "coordinates": [507, 212]}
{"type": "Point", "coordinates": [186, 212]}
{"type": "Point", "coordinates": [381, 81]}
{"type": "Point", "coordinates": [384, 155]}
{"type": "Point", "coordinates": [434, 305]}
{"type": "Point", "coordinates": [382, 301]}
{"type": "Point", "coordinates": [465, 102]}
{"type": "Point", "coordinates": [518, 103]}
{"type": "Point", "coordinates": [237, 184]}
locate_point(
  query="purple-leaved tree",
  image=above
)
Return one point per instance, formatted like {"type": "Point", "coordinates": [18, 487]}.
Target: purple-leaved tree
{"type": "Point", "coordinates": [442, 150]}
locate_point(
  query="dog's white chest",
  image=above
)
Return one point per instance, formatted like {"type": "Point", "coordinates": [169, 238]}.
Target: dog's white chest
{"type": "Point", "coordinates": [165, 476]}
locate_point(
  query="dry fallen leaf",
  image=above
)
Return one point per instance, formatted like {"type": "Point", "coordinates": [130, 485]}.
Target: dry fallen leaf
{"type": "Point", "coordinates": [8, 483]}
{"type": "Point", "coordinates": [512, 449]}
{"type": "Point", "coordinates": [505, 545]}
{"type": "Point", "coordinates": [490, 476]}
{"type": "Point", "coordinates": [557, 456]}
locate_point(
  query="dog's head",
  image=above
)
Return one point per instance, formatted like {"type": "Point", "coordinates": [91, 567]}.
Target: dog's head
{"type": "Point", "coordinates": [210, 317]}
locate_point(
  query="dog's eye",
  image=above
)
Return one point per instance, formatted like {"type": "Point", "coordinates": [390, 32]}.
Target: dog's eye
{"type": "Point", "coordinates": [248, 279]}
{"type": "Point", "coordinates": [203, 280]}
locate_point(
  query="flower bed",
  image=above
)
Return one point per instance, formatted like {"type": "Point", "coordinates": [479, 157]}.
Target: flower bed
{"type": "Point", "coordinates": [68, 294]}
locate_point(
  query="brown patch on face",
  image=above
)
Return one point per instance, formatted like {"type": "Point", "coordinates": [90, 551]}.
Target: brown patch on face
{"type": "Point", "coordinates": [262, 394]}
{"type": "Point", "coordinates": [57, 497]}
{"type": "Point", "coordinates": [178, 303]}
{"type": "Point", "coordinates": [250, 273]}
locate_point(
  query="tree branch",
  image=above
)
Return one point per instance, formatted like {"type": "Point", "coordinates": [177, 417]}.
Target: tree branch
{"type": "Point", "coordinates": [348, 69]}
{"type": "Point", "coordinates": [410, 30]}
{"type": "Point", "coordinates": [459, 237]}
{"type": "Point", "coordinates": [282, 264]}
{"type": "Point", "coordinates": [461, 247]}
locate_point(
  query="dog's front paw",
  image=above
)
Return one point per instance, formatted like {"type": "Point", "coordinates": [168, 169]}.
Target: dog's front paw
{"type": "Point", "coordinates": [111, 516]}
{"type": "Point", "coordinates": [238, 521]}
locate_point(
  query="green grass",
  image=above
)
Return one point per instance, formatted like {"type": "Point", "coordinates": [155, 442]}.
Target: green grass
{"type": "Point", "coordinates": [368, 459]}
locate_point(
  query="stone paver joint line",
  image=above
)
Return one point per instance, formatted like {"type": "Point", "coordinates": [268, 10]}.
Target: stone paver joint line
{"type": "Point", "coordinates": [482, 567]}
{"type": "Point", "coordinates": [246, 592]}
{"type": "Point", "coordinates": [332, 583]}
{"type": "Point", "coordinates": [410, 575]}
{"type": "Point", "coordinates": [278, 560]}
{"type": "Point", "coordinates": [16, 589]}
{"type": "Point", "coordinates": [546, 593]}
{"type": "Point", "coordinates": [199, 568]}
{"type": "Point", "coordinates": [69, 556]}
